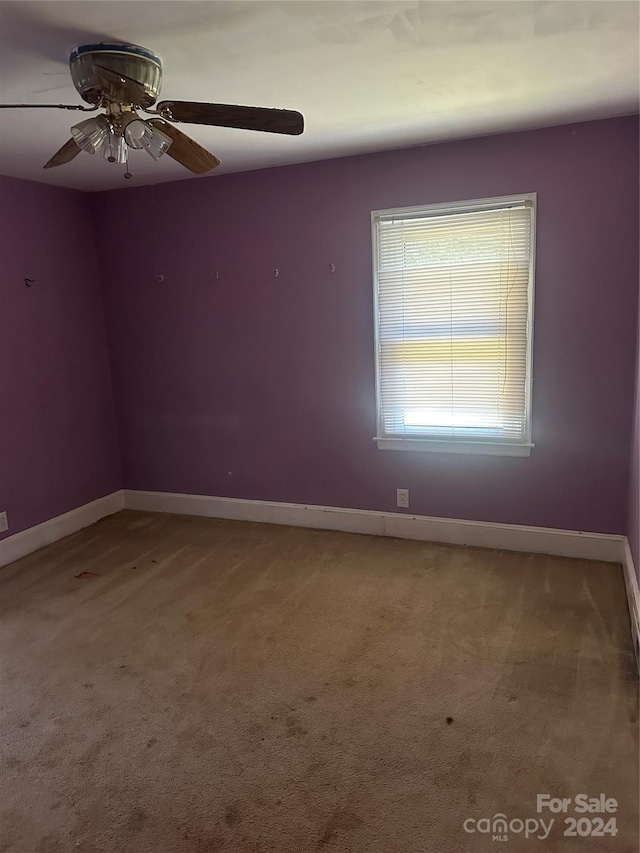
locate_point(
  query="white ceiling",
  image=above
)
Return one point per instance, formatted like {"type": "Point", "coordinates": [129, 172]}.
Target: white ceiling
{"type": "Point", "coordinates": [366, 75]}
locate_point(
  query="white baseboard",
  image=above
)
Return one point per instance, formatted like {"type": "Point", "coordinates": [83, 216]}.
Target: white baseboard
{"type": "Point", "coordinates": [633, 598]}
{"type": "Point", "coordinates": [23, 543]}
{"type": "Point", "coordinates": [509, 537]}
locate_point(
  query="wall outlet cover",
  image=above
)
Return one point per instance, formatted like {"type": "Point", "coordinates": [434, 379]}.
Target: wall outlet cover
{"type": "Point", "coordinates": [402, 497]}
{"type": "Point", "coordinates": [4, 524]}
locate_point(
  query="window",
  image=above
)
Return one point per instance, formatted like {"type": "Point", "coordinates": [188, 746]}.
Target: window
{"type": "Point", "coordinates": [453, 311]}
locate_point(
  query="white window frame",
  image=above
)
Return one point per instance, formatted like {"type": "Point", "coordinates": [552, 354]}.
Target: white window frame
{"type": "Point", "coordinates": [458, 445]}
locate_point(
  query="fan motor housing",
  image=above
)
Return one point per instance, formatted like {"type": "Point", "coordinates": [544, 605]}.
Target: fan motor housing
{"type": "Point", "coordinates": [130, 60]}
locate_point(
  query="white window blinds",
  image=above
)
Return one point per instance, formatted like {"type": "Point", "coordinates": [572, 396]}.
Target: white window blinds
{"type": "Point", "coordinates": [453, 312]}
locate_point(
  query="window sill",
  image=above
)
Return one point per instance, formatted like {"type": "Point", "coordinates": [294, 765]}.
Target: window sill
{"type": "Point", "coordinates": [434, 445]}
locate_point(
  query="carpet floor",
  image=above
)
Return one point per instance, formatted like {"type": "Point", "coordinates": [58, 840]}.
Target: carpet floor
{"type": "Point", "coordinates": [171, 684]}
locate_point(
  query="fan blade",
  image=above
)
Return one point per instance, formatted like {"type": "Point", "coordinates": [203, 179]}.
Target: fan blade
{"type": "Point", "coordinates": [66, 154]}
{"type": "Point", "coordinates": [47, 107]}
{"type": "Point", "coordinates": [120, 88]}
{"type": "Point", "coordinates": [185, 150]}
{"type": "Point", "coordinates": [229, 115]}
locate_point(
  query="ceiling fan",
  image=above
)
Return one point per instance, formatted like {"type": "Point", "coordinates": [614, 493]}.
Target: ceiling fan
{"type": "Point", "coordinates": [125, 79]}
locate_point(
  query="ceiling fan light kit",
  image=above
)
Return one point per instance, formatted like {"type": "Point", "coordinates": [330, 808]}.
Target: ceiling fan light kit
{"type": "Point", "coordinates": [137, 132]}
{"type": "Point", "coordinates": [124, 79]}
{"type": "Point", "coordinates": [110, 135]}
{"type": "Point", "coordinates": [91, 133]}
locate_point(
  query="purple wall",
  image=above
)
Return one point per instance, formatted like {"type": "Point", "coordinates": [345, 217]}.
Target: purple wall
{"type": "Point", "coordinates": [260, 387]}
{"type": "Point", "coordinates": [633, 530]}
{"type": "Point", "coordinates": [58, 445]}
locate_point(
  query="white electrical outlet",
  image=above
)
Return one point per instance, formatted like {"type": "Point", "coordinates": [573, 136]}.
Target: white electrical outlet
{"type": "Point", "coordinates": [402, 497]}
{"type": "Point", "coordinates": [4, 524]}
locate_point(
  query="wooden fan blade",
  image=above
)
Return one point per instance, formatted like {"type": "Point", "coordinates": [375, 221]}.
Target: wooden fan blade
{"type": "Point", "coordinates": [47, 107]}
{"type": "Point", "coordinates": [185, 150]}
{"type": "Point", "coordinates": [120, 88]}
{"type": "Point", "coordinates": [66, 154]}
{"type": "Point", "coordinates": [230, 115]}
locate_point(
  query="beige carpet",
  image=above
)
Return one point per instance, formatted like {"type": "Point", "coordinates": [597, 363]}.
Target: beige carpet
{"type": "Point", "coordinates": [181, 684]}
